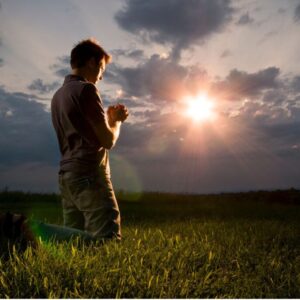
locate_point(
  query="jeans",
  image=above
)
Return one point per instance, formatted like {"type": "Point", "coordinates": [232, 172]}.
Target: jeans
{"type": "Point", "coordinates": [89, 204]}
{"type": "Point", "coordinates": [50, 232]}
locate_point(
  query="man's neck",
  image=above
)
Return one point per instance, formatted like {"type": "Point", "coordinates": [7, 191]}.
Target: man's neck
{"type": "Point", "coordinates": [80, 72]}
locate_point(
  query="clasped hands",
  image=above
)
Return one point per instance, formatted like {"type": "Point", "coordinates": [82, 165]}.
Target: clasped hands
{"type": "Point", "coordinates": [117, 112]}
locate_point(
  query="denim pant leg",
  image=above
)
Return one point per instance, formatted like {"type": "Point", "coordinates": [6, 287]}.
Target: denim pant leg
{"type": "Point", "coordinates": [94, 198]}
{"type": "Point", "coordinates": [50, 232]}
{"type": "Point", "coordinates": [102, 219]}
{"type": "Point", "coordinates": [73, 218]}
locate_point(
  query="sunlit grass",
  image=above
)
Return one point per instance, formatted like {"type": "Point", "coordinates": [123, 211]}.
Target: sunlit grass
{"type": "Point", "coordinates": [191, 249]}
{"type": "Point", "coordinates": [182, 259]}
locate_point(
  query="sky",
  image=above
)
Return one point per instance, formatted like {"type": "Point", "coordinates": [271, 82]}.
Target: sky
{"type": "Point", "coordinates": [243, 55]}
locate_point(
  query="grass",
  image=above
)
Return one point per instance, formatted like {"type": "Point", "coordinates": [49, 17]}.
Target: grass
{"type": "Point", "coordinates": [173, 247]}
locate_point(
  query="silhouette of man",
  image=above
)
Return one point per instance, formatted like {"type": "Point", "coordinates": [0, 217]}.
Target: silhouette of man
{"type": "Point", "coordinates": [85, 133]}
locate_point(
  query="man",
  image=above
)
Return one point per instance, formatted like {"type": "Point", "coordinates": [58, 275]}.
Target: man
{"type": "Point", "coordinates": [85, 134]}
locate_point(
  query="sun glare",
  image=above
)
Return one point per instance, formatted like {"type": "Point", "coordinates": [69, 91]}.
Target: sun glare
{"type": "Point", "coordinates": [200, 108]}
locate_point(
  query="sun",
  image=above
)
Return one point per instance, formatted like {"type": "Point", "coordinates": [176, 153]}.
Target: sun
{"type": "Point", "coordinates": [200, 108]}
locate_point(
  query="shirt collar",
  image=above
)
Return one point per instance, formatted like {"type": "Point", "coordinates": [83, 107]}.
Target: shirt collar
{"type": "Point", "coordinates": [72, 77]}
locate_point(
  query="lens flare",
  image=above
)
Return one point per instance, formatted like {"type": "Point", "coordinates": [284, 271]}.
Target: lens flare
{"type": "Point", "coordinates": [200, 108]}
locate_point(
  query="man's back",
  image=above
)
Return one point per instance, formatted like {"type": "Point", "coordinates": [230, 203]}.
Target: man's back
{"type": "Point", "coordinates": [74, 107]}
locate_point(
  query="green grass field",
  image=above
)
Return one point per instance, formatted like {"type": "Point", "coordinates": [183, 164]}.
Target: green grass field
{"type": "Point", "coordinates": [174, 246]}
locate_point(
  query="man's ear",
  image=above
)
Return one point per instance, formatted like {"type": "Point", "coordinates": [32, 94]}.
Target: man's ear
{"type": "Point", "coordinates": [91, 63]}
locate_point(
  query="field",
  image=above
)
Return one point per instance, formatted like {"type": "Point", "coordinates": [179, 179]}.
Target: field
{"type": "Point", "coordinates": [174, 246]}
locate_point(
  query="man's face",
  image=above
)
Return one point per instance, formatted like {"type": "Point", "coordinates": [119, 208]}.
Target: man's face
{"type": "Point", "coordinates": [96, 70]}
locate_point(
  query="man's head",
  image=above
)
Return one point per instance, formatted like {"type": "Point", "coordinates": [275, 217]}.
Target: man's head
{"type": "Point", "coordinates": [89, 59]}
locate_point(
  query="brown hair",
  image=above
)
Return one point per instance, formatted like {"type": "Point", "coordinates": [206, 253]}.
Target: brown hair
{"type": "Point", "coordinates": [85, 50]}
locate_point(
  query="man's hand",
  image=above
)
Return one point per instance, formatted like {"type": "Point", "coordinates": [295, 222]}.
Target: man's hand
{"type": "Point", "coordinates": [116, 113]}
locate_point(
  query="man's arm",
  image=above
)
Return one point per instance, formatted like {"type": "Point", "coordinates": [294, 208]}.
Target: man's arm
{"type": "Point", "coordinates": [107, 133]}
{"type": "Point", "coordinates": [116, 115]}
{"type": "Point", "coordinates": [105, 126]}
{"type": "Point", "coordinates": [115, 130]}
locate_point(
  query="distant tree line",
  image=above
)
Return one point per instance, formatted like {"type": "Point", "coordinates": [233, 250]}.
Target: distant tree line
{"type": "Point", "coordinates": [286, 197]}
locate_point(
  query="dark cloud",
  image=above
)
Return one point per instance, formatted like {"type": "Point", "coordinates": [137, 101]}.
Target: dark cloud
{"type": "Point", "coordinates": [240, 84]}
{"type": "Point", "coordinates": [179, 23]}
{"type": "Point", "coordinates": [296, 84]}
{"type": "Point", "coordinates": [251, 155]}
{"type": "Point", "coordinates": [128, 102]}
{"type": "Point", "coordinates": [245, 19]}
{"type": "Point", "coordinates": [275, 96]}
{"type": "Point", "coordinates": [267, 36]}
{"type": "Point", "coordinates": [26, 131]}
{"type": "Point", "coordinates": [43, 88]}
{"type": "Point", "coordinates": [29, 176]}
{"type": "Point", "coordinates": [156, 77]}
{"type": "Point", "coordinates": [160, 78]}
{"type": "Point", "coordinates": [281, 10]}
{"type": "Point", "coordinates": [260, 149]}
{"type": "Point", "coordinates": [226, 53]}
{"type": "Point", "coordinates": [1, 59]}
{"type": "Point", "coordinates": [297, 13]}
{"type": "Point", "coordinates": [135, 54]}
{"type": "Point", "coordinates": [29, 154]}
{"type": "Point", "coordinates": [62, 67]}
{"type": "Point", "coordinates": [284, 134]}
{"type": "Point", "coordinates": [159, 153]}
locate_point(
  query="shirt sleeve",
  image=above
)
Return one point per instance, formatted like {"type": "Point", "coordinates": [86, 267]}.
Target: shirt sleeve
{"type": "Point", "coordinates": [91, 106]}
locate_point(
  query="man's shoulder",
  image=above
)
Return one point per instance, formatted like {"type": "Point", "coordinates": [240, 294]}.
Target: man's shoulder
{"type": "Point", "coordinates": [80, 87]}
{"type": "Point", "coordinates": [75, 87]}
{"type": "Point", "coordinates": [88, 88]}
{"type": "Point", "coordinates": [76, 90]}
{"type": "Point", "coordinates": [75, 81]}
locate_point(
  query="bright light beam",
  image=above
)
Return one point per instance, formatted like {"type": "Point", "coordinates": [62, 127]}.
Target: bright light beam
{"type": "Point", "coordinates": [200, 108]}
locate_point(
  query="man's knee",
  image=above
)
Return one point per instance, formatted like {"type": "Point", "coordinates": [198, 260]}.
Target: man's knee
{"type": "Point", "coordinates": [104, 223]}
{"type": "Point", "coordinates": [73, 219]}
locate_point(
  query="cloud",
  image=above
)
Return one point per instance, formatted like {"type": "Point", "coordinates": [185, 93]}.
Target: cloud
{"type": "Point", "coordinates": [156, 77]}
{"type": "Point", "coordinates": [267, 36]}
{"type": "Point", "coordinates": [26, 131]}
{"type": "Point", "coordinates": [239, 84]}
{"type": "Point", "coordinates": [135, 54]}
{"type": "Point", "coordinates": [226, 53]}
{"type": "Point", "coordinates": [296, 84]}
{"type": "Point", "coordinates": [39, 86]}
{"type": "Point", "coordinates": [141, 85]}
{"type": "Point", "coordinates": [297, 13]}
{"type": "Point", "coordinates": [1, 59]}
{"type": "Point", "coordinates": [175, 22]}
{"type": "Point", "coordinates": [288, 133]}
{"type": "Point", "coordinates": [160, 153]}
{"type": "Point", "coordinates": [62, 67]}
{"type": "Point", "coordinates": [245, 19]}
{"type": "Point", "coordinates": [281, 10]}
{"type": "Point", "coordinates": [243, 154]}
{"type": "Point", "coordinates": [29, 176]}
{"type": "Point", "coordinates": [160, 78]}
{"type": "Point", "coordinates": [29, 154]}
